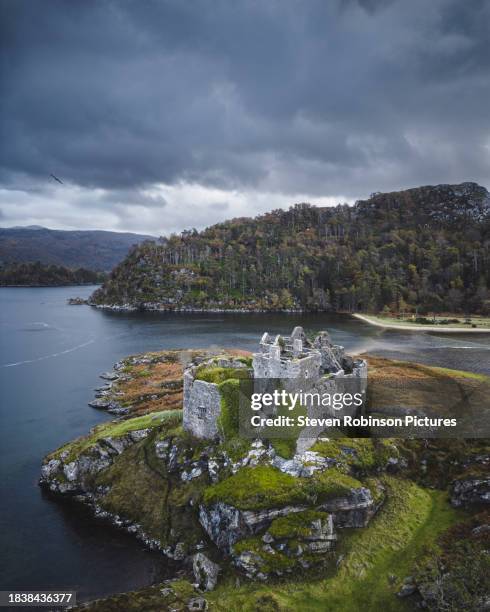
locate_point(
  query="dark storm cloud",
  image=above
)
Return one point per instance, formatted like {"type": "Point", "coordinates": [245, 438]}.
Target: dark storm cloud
{"type": "Point", "coordinates": [323, 98]}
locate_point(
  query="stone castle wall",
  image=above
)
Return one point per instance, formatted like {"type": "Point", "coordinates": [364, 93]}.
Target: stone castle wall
{"type": "Point", "coordinates": [319, 366]}
{"type": "Point", "coordinates": [202, 407]}
{"type": "Point", "coordinates": [266, 366]}
{"type": "Point", "coordinates": [202, 400]}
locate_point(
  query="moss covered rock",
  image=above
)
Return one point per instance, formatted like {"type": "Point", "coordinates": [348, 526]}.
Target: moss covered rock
{"type": "Point", "coordinates": [292, 542]}
{"type": "Point", "coordinates": [248, 502]}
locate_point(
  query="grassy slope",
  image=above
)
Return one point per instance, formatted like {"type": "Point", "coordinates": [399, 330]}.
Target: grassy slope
{"type": "Point", "coordinates": [411, 519]}
{"type": "Point", "coordinates": [434, 390]}
{"type": "Point", "coordinates": [141, 490]}
{"type": "Point", "coordinates": [115, 429]}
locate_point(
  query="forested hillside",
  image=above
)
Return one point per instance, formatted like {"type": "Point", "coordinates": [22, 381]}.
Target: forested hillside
{"type": "Point", "coordinates": [426, 248]}
{"type": "Point", "coordinates": [35, 274]}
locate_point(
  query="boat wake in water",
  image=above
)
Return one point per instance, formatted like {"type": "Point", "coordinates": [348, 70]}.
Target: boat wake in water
{"type": "Point", "coordinates": [52, 355]}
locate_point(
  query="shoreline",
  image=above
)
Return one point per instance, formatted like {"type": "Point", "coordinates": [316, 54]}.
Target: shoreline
{"type": "Point", "coordinates": [50, 286]}
{"type": "Point", "coordinates": [427, 328]}
{"type": "Point", "coordinates": [365, 318]}
{"type": "Point", "coordinates": [191, 309]}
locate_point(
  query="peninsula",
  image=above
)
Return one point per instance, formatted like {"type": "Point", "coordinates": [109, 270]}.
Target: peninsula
{"type": "Point", "coordinates": [268, 522]}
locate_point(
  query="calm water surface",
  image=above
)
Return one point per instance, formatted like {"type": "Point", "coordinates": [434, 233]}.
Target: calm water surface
{"type": "Point", "coordinates": [50, 357]}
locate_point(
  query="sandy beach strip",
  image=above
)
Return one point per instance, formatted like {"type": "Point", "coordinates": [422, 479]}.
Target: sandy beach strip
{"type": "Point", "coordinates": [438, 328]}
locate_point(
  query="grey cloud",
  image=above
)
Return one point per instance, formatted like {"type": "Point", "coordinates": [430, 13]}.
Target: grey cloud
{"type": "Point", "coordinates": [323, 98]}
{"type": "Point", "coordinates": [134, 197]}
{"type": "Point", "coordinates": [219, 206]}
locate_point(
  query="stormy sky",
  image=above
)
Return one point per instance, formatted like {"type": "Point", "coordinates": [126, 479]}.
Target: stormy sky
{"type": "Point", "coordinates": [164, 115]}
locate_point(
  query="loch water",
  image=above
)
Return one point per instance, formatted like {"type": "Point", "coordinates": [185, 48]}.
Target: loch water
{"type": "Point", "coordinates": [51, 355]}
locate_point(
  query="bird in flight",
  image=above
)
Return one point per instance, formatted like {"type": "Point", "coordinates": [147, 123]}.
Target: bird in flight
{"type": "Point", "coordinates": [56, 179]}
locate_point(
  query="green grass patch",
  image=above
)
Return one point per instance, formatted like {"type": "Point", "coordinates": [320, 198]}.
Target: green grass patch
{"type": "Point", "coordinates": [267, 487]}
{"type": "Point", "coordinates": [217, 375]}
{"type": "Point", "coordinates": [245, 360]}
{"type": "Point", "coordinates": [143, 374]}
{"type": "Point", "coordinates": [284, 447]}
{"type": "Point", "coordinates": [269, 561]}
{"type": "Point", "coordinates": [462, 374]}
{"type": "Point", "coordinates": [258, 487]}
{"type": "Point", "coordinates": [295, 525]}
{"type": "Point", "coordinates": [115, 429]}
{"type": "Point", "coordinates": [150, 599]}
{"type": "Point", "coordinates": [328, 484]}
{"type": "Point", "coordinates": [236, 448]}
{"type": "Point", "coordinates": [136, 492]}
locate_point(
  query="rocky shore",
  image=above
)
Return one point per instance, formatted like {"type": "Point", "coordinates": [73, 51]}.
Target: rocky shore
{"type": "Point", "coordinates": [231, 510]}
{"type": "Point", "coordinates": [347, 503]}
{"type": "Point", "coordinates": [159, 307]}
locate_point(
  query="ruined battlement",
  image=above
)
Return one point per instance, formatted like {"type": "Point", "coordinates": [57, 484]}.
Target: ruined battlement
{"type": "Point", "coordinates": [295, 356]}
{"type": "Point", "coordinates": [294, 360]}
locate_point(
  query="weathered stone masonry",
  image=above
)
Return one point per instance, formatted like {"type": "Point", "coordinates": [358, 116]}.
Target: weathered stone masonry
{"type": "Point", "coordinates": [202, 400]}
{"type": "Point", "coordinates": [294, 360]}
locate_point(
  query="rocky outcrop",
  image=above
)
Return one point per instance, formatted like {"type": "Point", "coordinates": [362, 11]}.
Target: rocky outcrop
{"type": "Point", "coordinates": [102, 403]}
{"type": "Point", "coordinates": [197, 604]}
{"type": "Point", "coordinates": [303, 464]}
{"type": "Point", "coordinates": [64, 474]}
{"type": "Point", "coordinates": [292, 542]}
{"type": "Point", "coordinates": [471, 490]}
{"type": "Point", "coordinates": [109, 376]}
{"type": "Point", "coordinates": [408, 588]}
{"type": "Point", "coordinates": [81, 473]}
{"type": "Point", "coordinates": [353, 510]}
{"type": "Point", "coordinates": [226, 525]}
{"type": "Point", "coordinates": [205, 572]}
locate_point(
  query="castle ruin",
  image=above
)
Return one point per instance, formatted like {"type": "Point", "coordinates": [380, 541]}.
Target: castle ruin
{"type": "Point", "coordinates": [293, 360]}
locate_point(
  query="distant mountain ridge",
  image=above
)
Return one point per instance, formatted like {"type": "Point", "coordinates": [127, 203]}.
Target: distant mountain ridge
{"type": "Point", "coordinates": [97, 250]}
{"type": "Point", "coordinates": [29, 227]}
{"type": "Point", "coordinates": [422, 249]}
